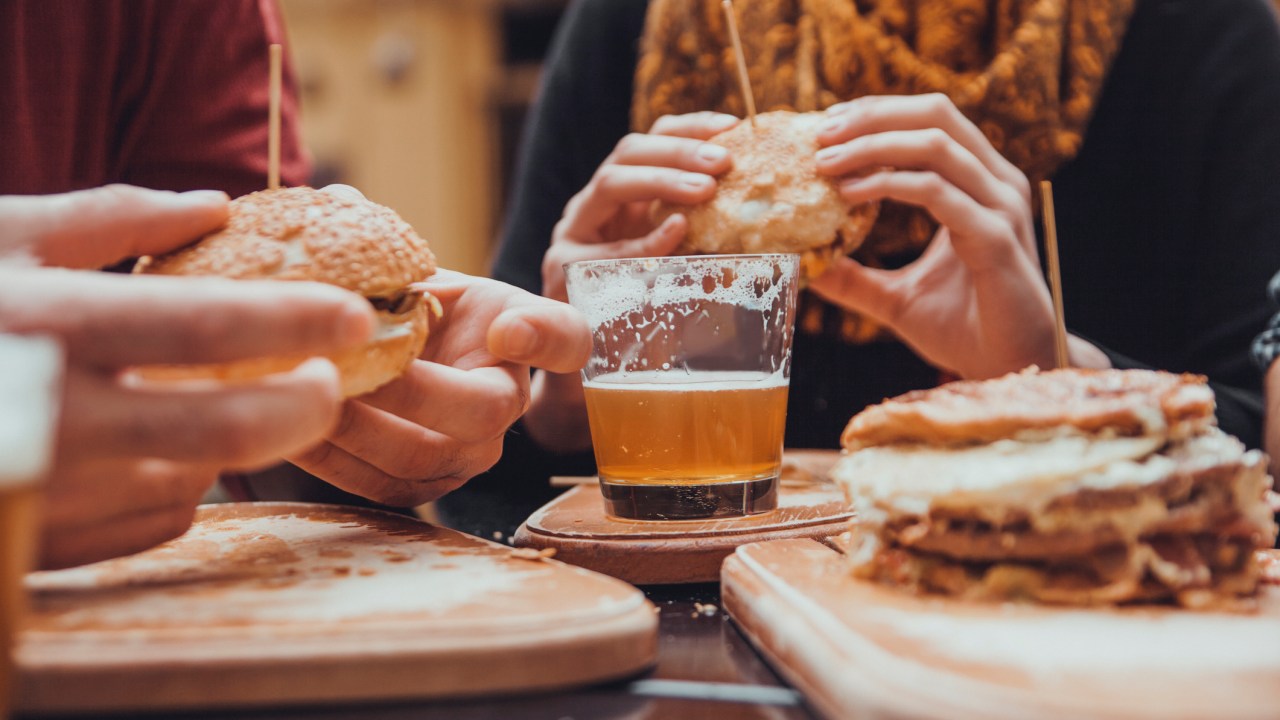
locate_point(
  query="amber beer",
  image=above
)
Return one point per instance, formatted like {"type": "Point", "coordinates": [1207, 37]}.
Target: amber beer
{"type": "Point", "coordinates": [30, 379]}
{"type": "Point", "coordinates": [687, 428]}
{"type": "Point", "coordinates": [17, 539]}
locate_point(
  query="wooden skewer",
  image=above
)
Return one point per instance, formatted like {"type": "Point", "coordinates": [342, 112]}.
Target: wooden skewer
{"type": "Point", "coordinates": [273, 122]}
{"type": "Point", "coordinates": [559, 481]}
{"type": "Point", "coordinates": [1055, 275]}
{"type": "Point", "coordinates": [727, 6]}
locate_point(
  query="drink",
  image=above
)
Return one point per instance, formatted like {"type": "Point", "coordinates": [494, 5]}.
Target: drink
{"type": "Point", "coordinates": [17, 540]}
{"type": "Point", "coordinates": [710, 427]}
{"type": "Point", "coordinates": [30, 375]}
{"type": "Point", "coordinates": [686, 388]}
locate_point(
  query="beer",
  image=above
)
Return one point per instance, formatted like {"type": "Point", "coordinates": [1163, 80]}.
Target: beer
{"type": "Point", "coordinates": [30, 379]}
{"type": "Point", "coordinates": [17, 539]}
{"type": "Point", "coordinates": [676, 428]}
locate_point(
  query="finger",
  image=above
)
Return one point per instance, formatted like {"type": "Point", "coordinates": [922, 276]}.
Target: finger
{"type": "Point", "coordinates": [698, 125]}
{"type": "Point", "coordinates": [673, 152]}
{"type": "Point", "coordinates": [114, 320]}
{"type": "Point", "coordinates": [548, 335]}
{"type": "Point", "coordinates": [929, 149]}
{"type": "Point", "coordinates": [468, 405]}
{"type": "Point", "coordinates": [348, 472]}
{"type": "Point", "coordinates": [854, 286]}
{"type": "Point", "coordinates": [344, 191]}
{"type": "Point", "coordinates": [873, 114]}
{"type": "Point", "coordinates": [985, 240]}
{"type": "Point", "coordinates": [616, 185]}
{"type": "Point", "coordinates": [104, 510]}
{"type": "Point", "coordinates": [93, 228]}
{"type": "Point", "coordinates": [662, 241]}
{"type": "Point", "coordinates": [226, 426]}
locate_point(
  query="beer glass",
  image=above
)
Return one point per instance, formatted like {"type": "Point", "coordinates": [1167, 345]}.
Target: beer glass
{"type": "Point", "coordinates": [686, 388]}
{"type": "Point", "coordinates": [30, 378]}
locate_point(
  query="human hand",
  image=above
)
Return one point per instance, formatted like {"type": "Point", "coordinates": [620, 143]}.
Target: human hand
{"type": "Point", "coordinates": [443, 421]}
{"type": "Point", "coordinates": [975, 302]}
{"type": "Point", "coordinates": [609, 218]}
{"type": "Point", "coordinates": [132, 458]}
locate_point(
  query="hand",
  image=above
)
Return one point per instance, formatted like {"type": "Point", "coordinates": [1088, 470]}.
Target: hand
{"type": "Point", "coordinates": [975, 302]}
{"type": "Point", "coordinates": [609, 218]}
{"type": "Point", "coordinates": [133, 458]}
{"type": "Point", "coordinates": [443, 421]}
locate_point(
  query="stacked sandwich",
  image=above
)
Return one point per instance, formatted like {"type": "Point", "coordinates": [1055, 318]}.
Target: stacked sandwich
{"type": "Point", "coordinates": [1069, 486]}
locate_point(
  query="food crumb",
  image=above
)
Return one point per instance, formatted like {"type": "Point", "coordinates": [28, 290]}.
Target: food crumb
{"type": "Point", "coordinates": [705, 609]}
{"type": "Point", "coordinates": [532, 554]}
{"type": "Point", "coordinates": [497, 535]}
{"type": "Point", "coordinates": [366, 571]}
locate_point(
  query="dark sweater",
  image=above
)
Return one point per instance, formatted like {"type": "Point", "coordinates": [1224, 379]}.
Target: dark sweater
{"type": "Point", "coordinates": [1168, 219]}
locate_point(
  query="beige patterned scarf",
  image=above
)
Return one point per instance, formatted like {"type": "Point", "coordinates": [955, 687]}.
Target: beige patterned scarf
{"type": "Point", "coordinates": [1027, 72]}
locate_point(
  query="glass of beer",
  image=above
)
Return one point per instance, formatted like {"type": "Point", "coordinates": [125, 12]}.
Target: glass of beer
{"type": "Point", "coordinates": [30, 379]}
{"type": "Point", "coordinates": [686, 388]}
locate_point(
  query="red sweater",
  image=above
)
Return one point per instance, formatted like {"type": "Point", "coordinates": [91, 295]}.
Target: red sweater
{"type": "Point", "coordinates": [162, 94]}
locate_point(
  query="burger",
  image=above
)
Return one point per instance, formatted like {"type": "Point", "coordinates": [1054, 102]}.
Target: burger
{"type": "Point", "coordinates": [773, 199]}
{"type": "Point", "coordinates": [306, 234]}
{"type": "Point", "coordinates": [1071, 486]}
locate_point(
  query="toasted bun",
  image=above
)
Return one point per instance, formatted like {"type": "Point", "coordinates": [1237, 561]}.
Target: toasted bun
{"type": "Point", "coordinates": [305, 234]}
{"type": "Point", "coordinates": [1119, 402]}
{"type": "Point", "coordinates": [773, 200]}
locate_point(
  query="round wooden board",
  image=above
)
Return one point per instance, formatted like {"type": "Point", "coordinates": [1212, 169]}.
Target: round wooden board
{"type": "Point", "coordinates": [644, 552]}
{"type": "Point", "coordinates": [861, 650]}
{"type": "Point", "coordinates": [269, 603]}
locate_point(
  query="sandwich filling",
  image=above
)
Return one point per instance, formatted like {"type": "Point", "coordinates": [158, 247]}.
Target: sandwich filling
{"type": "Point", "coordinates": [1063, 515]}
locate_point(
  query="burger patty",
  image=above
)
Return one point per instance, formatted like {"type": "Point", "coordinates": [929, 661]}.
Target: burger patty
{"type": "Point", "coordinates": [1220, 498]}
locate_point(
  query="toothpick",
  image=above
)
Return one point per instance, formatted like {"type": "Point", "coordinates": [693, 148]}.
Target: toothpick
{"type": "Point", "coordinates": [727, 6]}
{"type": "Point", "coordinates": [273, 122]}
{"type": "Point", "coordinates": [1055, 275]}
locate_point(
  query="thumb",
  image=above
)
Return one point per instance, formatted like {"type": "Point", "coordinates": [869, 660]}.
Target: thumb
{"type": "Point", "coordinates": [854, 286]}
{"type": "Point", "coordinates": [543, 334]}
{"type": "Point", "coordinates": [93, 228]}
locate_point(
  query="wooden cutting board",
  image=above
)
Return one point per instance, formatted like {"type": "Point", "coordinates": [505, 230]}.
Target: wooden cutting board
{"type": "Point", "coordinates": [861, 650]}
{"type": "Point", "coordinates": [269, 603]}
{"type": "Point", "coordinates": [648, 552]}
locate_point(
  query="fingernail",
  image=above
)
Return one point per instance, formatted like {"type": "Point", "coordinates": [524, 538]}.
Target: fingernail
{"type": "Point", "coordinates": [723, 120]}
{"type": "Point", "coordinates": [830, 125]}
{"type": "Point", "coordinates": [827, 154]}
{"type": "Point", "coordinates": [712, 152]}
{"type": "Point", "coordinates": [519, 340]}
{"type": "Point", "coordinates": [695, 180]}
{"type": "Point", "coordinates": [204, 197]}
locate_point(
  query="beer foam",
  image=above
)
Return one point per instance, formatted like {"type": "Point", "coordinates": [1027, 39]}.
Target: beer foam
{"type": "Point", "coordinates": [30, 382]}
{"type": "Point", "coordinates": [697, 380]}
{"type": "Point", "coordinates": [609, 291]}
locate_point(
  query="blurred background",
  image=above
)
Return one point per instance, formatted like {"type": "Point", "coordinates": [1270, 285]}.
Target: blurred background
{"type": "Point", "coordinates": [419, 103]}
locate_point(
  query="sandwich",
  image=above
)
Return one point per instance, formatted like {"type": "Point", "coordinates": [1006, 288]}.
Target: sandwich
{"type": "Point", "coordinates": [1077, 487]}
{"type": "Point", "coordinates": [306, 234]}
{"type": "Point", "coordinates": [773, 200]}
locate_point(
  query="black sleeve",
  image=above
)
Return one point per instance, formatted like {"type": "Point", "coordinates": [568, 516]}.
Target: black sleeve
{"type": "Point", "coordinates": [1172, 228]}
{"type": "Point", "coordinates": [582, 111]}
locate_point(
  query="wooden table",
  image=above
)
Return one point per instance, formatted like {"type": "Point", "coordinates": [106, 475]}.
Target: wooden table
{"type": "Point", "coordinates": [701, 657]}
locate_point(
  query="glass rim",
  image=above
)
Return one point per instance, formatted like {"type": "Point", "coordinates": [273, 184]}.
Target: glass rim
{"type": "Point", "coordinates": [665, 258]}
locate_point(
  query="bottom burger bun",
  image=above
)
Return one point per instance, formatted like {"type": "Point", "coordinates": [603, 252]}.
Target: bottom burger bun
{"type": "Point", "coordinates": [306, 234]}
{"type": "Point", "coordinates": [773, 199]}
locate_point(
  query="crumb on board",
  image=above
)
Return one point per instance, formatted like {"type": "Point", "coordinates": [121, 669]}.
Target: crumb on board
{"type": "Point", "coordinates": [532, 554]}
{"type": "Point", "coordinates": [707, 609]}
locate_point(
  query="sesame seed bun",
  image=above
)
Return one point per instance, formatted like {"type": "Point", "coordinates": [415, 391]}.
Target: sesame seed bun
{"type": "Point", "coordinates": [305, 234]}
{"type": "Point", "coordinates": [773, 199]}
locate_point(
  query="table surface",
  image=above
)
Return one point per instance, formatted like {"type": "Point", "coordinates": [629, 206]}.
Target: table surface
{"type": "Point", "coordinates": [706, 669]}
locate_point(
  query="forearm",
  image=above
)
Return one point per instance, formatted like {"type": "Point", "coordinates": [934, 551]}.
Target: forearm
{"type": "Point", "coordinates": [557, 415]}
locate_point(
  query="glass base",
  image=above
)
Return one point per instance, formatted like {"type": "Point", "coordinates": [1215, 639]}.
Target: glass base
{"type": "Point", "coordinates": [690, 502]}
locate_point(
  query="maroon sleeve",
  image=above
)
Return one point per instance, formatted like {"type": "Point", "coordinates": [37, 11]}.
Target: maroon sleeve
{"type": "Point", "coordinates": [193, 110]}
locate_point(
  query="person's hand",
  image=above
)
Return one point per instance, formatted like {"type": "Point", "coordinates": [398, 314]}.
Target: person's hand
{"type": "Point", "coordinates": [975, 302]}
{"type": "Point", "coordinates": [443, 421]}
{"type": "Point", "coordinates": [609, 218]}
{"type": "Point", "coordinates": [133, 458]}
